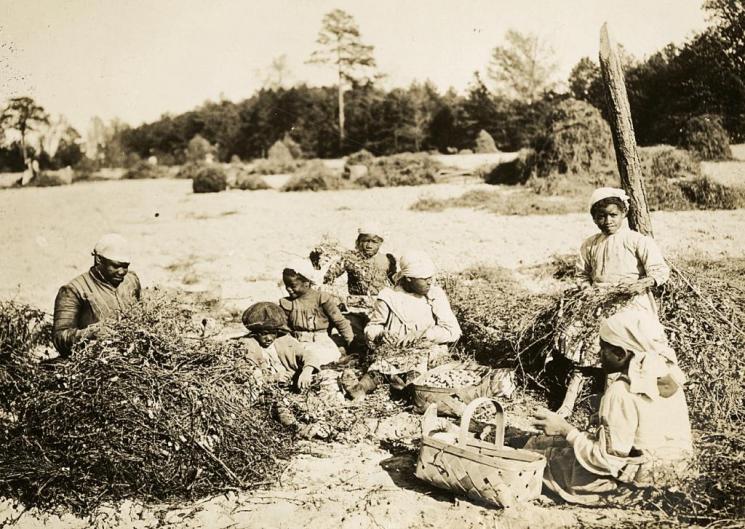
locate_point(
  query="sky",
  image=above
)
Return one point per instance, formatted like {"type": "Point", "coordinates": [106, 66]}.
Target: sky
{"type": "Point", "coordinates": [138, 59]}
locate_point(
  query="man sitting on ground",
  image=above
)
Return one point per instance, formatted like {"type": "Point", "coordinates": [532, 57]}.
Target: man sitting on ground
{"type": "Point", "coordinates": [82, 305]}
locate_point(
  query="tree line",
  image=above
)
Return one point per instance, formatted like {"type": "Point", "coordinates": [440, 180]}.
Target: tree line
{"type": "Point", "coordinates": [704, 76]}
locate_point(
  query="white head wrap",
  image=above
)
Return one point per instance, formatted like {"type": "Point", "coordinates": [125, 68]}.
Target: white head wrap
{"type": "Point", "coordinates": [608, 192]}
{"type": "Point", "coordinates": [113, 247]}
{"type": "Point", "coordinates": [371, 228]}
{"type": "Point", "coordinates": [305, 268]}
{"type": "Point", "coordinates": [415, 264]}
{"type": "Point", "coordinates": [639, 332]}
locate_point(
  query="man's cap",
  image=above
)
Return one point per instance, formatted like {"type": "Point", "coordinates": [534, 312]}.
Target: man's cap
{"type": "Point", "coordinates": [113, 247]}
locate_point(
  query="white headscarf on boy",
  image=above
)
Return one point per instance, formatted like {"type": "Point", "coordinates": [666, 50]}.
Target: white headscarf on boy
{"type": "Point", "coordinates": [608, 192]}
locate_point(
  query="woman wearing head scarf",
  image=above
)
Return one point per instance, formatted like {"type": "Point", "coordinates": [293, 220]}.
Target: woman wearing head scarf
{"type": "Point", "coordinates": [644, 434]}
{"type": "Point", "coordinates": [615, 256]}
{"type": "Point", "coordinates": [415, 310]}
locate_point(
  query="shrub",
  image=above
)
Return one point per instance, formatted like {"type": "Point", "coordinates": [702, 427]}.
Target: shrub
{"type": "Point", "coordinates": [250, 182]}
{"type": "Point", "coordinates": [576, 140]}
{"type": "Point", "coordinates": [210, 179]}
{"type": "Point", "coordinates": [485, 143]}
{"type": "Point", "coordinates": [668, 163]}
{"type": "Point", "coordinates": [189, 170]}
{"type": "Point", "coordinates": [404, 169]}
{"type": "Point", "coordinates": [269, 167]}
{"type": "Point", "coordinates": [314, 176]}
{"type": "Point", "coordinates": [279, 152]}
{"type": "Point", "coordinates": [707, 194]}
{"type": "Point", "coordinates": [361, 157]}
{"type": "Point", "coordinates": [292, 146]}
{"type": "Point", "coordinates": [198, 149]}
{"type": "Point", "coordinates": [143, 170]}
{"type": "Point", "coordinates": [513, 172]}
{"type": "Point", "coordinates": [61, 177]}
{"type": "Point", "coordinates": [705, 137]}
{"type": "Point", "coordinates": [22, 328]}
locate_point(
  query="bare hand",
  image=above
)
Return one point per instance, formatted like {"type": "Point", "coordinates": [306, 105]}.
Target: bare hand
{"type": "Point", "coordinates": [283, 377]}
{"type": "Point", "coordinates": [93, 331]}
{"type": "Point", "coordinates": [551, 423]}
{"type": "Point", "coordinates": [640, 286]}
{"type": "Point", "coordinates": [410, 339]}
{"type": "Point", "coordinates": [305, 378]}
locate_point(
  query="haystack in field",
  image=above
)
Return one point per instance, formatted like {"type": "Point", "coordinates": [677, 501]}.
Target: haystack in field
{"type": "Point", "coordinates": [575, 143]}
{"type": "Point", "coordinates": [153, 410]}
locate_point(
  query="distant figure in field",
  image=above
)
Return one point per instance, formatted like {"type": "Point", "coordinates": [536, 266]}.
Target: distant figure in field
{"type": "Point", "coordinates": [107, 288]}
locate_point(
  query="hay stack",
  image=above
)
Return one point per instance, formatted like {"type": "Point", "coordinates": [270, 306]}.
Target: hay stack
{"type": "Point", "coordinates": [576, 141]}
{"type": "Point", "coordinates": [153, 410]}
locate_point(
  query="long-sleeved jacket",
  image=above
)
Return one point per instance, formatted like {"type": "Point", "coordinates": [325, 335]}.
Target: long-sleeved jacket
{"type": "Point", "coordinates": [629, 420]}
{"type": "Point", "coordinates": [289, 353]}
{"type": "Point", "coordinates": [626, 255]}
{"type": "Point", "coordinates": [88, 299]}
{"type": "Point", "coordinates": [399, 312]}
{"type": "Point", "coordinates": [316, 311]}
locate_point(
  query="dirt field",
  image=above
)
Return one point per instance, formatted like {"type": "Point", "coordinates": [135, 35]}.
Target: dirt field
{"type": "Point", "coordinates": [234, 244]}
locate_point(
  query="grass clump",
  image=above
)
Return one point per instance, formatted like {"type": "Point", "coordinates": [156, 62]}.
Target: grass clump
{"type": "Point", "coordinates": [153, 410]}
{"type": "Point", "coordinates": [708, 194]}
{"type": "Point", "coordinates": [504, 202]}
{"type": "Point", "coordinates": [406, 169]}
{"type": "Point", "coordinates": [210, 179]}
{"type": "Point", "coordinates": [315, 176]}
{"type": "Point", "coordinates": [145, 170]}
{"type": "Point", "coordinates": [22, 328]}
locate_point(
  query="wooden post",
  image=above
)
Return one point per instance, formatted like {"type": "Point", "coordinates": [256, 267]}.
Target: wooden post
{"type": "Point", "coordinates": [624, 140]}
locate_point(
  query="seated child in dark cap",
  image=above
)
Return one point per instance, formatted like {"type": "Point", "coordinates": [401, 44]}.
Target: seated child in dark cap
{"type": "Point", "coordinates": [273, 349]}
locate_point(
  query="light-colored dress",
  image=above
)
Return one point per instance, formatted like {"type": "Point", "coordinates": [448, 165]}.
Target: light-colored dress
{"type": "Point", "coordinates": [398, 313]}
{"type": "Point", "coordinates": [641, 441]}
{"type": "Point", "coordinates": [606, 260]}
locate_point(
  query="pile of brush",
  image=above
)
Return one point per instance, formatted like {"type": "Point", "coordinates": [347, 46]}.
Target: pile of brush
{"type": "Point", "coordinates": [155, 409]}
{"type": "Point", "coordinates": [701, 308]}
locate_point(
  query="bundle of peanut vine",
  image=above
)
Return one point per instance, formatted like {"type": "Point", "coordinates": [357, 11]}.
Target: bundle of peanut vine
{"type": "Point", "coordinates": [153, 410]}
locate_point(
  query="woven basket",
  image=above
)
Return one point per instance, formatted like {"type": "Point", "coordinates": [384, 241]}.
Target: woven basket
{"type": "Point", "coordinates": [452, 401]}
{"type": "Point", "coordinates": [491, 473]}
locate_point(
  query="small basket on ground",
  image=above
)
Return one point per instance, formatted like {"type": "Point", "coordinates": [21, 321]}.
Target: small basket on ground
{"type": "Point", "coordinates": [453, 385]}
{"type": "Point", "coordinates": [487, 472]}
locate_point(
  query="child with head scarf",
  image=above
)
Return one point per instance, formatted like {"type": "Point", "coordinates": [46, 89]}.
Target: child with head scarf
{"type": "Point", "coordinates": [615, 256]}
{"type": "Point", "coordinates": [644, 433]}
{"type": "Point", "coordinates": [414, 311]}
{"type": "Point", "coordinates": [310, 313]}
{"type": "Point", "coordinates": [368, 272]}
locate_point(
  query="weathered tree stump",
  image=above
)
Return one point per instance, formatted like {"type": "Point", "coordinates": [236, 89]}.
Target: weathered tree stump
{"type": "Point", "coordinates": [624, 140]}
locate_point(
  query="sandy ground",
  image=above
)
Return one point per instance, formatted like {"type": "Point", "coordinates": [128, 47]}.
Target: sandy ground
{"type": "Point", "coordinates": [234, 244]}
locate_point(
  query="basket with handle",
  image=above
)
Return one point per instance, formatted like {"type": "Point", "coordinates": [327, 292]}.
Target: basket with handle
{"type": "Point", "coordinates": [487, 472]}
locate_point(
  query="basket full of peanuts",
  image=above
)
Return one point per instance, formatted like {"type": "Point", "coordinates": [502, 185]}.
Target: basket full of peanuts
{"type": "Point", "coordinates": [453, 385]}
